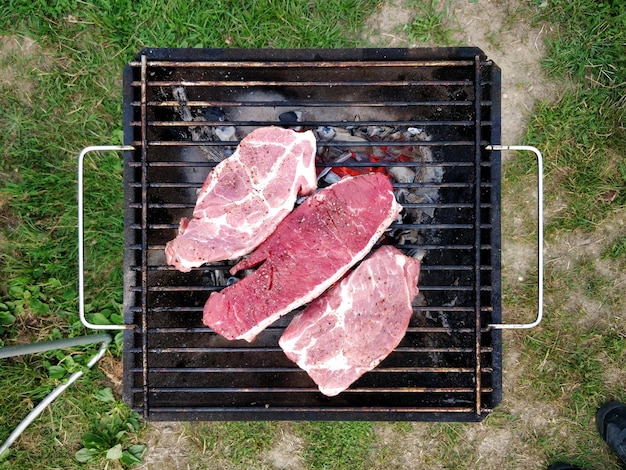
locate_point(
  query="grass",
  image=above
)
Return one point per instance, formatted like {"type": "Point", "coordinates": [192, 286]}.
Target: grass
{"type": "Point", "coordinates": [617, 249]}
{"type": "Point", "coordinates": [583, 134]}
{"type": "Point", "coordinates": [238, 444]}
{"type": "Point", "coordinates": [65, 94]}
{"type": "Point", "coordinates": [429, 24]}
{"type": "Point", "coordinates": [576, 352]}
{"type": "Point", "coordinates": [570, 367]}
{"type": "Point", "coordinates": [342, 445]}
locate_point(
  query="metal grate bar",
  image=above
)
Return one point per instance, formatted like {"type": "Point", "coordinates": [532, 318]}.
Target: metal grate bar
{"type": "Point", "coordinates": [453, 164]}
{"type": "Point", "coordinates": [182, 143]}
{"type": "Point", "coordinates": [238, 349]}
{"type": "Point", "coordinates": [438, 308]}
{"type": "Point", "coordinates": [212, 288]}
{"type": "Point", "coordinates": [306, 123]}
{"type": "Point", "coordinates": [305, 64]}
{"type": "Point", "coordinates": [301, 83]}
{"type": "Point", "coordinates": [313, 103]}
{"type": "Point", "coordinates": [243, 370]}
{"type": "Point", "coordinates": [451, 205]}
{"type": "Point", "coordinates": [410, 329]}
{"type": "Point", "coordinates": [338, 411]}
{"type": "Point", "coordinates": [190, 205]}
{"type": "Point", "coordinates": [144, 232]}
{"type": "Point", "coordinates": [439, 413]}
{"type": "Point", "coordinates": [477, 225]}
{"type": "Point", "coordinates": [424, 246]}
{"type": "Point", "coordinates": [350, 391]}
{"type": "Point", "coordinates": [397, 185]}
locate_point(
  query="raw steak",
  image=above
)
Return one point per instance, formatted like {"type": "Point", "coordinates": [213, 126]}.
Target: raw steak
{"type": "Point", "coordinates": [245, 197]}
{"type": "Point", "coordinates": [351, 328]}
{"type": "Point", "coordinates": [312, 248]}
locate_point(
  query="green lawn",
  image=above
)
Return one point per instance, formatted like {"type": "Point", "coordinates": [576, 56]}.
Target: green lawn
{"type": "Point", "coordinates": [63, 92]}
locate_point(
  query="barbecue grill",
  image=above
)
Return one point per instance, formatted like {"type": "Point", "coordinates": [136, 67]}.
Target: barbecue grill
{"type": "Point", "coordinates": [185, 109]}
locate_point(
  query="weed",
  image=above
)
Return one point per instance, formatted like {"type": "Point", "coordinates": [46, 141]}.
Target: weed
{"type": "Point", "coordinates": [38, 375]}
{"type": "Point", "coordinates": [617, 249]}
{"type": "Point", "coordinates": [6, 319]}
{"type": "Point", "coordinates": [429, 24]}
{"type": "Point", "coordinates": [107, 440]}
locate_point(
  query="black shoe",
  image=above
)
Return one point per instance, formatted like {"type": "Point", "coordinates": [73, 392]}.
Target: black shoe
{"type": "Point", "coordinates": [562, 466]}
{"type": "Point", "coordinates": [611, 423]}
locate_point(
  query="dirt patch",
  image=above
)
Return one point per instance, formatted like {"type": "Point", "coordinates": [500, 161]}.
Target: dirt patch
{"type": "Point", "coordinates": [506, 444]}
{"type": "Point", "coordinates": [613, 376]}
{"type": "Point", "coordinates": [495, 445]}
{"type": "Point", "coordinates": [406, 449]}
{"type": "Point", "coordinates": [567, 247]}
{"type": "Point", "coordinates": [167, 447]}
{"type": "Point", "coordinates": [517, 260]}
{"type": "Point", "coordinates": [596, 308]}
{"type": "Point", "coordinates": [21, 60]}
{"type": "Point", "coordinates": [385, 26]}
{"type": "Point", "coordinates": [519, 247]}
{"type": "Point", "coordinates": [286, 453]}
{"type": "Point", "coordinates": [499, 28]}
{"type": "Point", "coordinates": [112, 369]}
{"type": "Point", "coordinates": [519, 229]}
{"type": "Point", "coordinates": [32, 328]}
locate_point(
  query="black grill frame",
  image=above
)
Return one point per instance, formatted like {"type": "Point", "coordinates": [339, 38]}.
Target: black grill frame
{"type": "Point", "coordinates": [177, 369]}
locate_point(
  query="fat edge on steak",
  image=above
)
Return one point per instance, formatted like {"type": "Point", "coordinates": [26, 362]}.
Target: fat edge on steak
{"type": "Point", "coordinates": [311, 249]}
{"type": "Point", "coordinates": [245, 197]}
{"type": "Point", "coordinates": [357, 323]}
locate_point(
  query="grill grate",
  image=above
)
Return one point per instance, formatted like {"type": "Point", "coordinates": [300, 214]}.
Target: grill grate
{"type": "Point", "coordinates": [445, 104]}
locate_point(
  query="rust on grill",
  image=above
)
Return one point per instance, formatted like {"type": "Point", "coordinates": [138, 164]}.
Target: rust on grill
{"type": "Point", "coordinates": [442, 106]}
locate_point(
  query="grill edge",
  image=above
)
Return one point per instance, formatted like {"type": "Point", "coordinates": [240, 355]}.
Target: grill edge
{"type": "Point", "coordinates": [448, 368]}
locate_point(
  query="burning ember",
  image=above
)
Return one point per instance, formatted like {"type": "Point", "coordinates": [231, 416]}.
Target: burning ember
{"type": "Point", "coordinates": [348, 150]}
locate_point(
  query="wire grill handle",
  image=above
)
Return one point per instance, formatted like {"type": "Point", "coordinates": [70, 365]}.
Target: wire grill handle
{"type": "Point", "coordinates": [23, 349]}
{"type": "Point", "coordinates": [81, 236]}
{"type": "Point", "coordinates": [501, 326]}
{"type": "Point", "coordinates": [520, 326]}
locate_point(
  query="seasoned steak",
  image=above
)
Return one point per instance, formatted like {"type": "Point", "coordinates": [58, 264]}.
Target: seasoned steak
{"type": "Point", "coordinates": [245, 197]}
{"type": "Point", "coordinates": [312, 248]}
{"type": "Point", "coordinates": [352, 327]}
